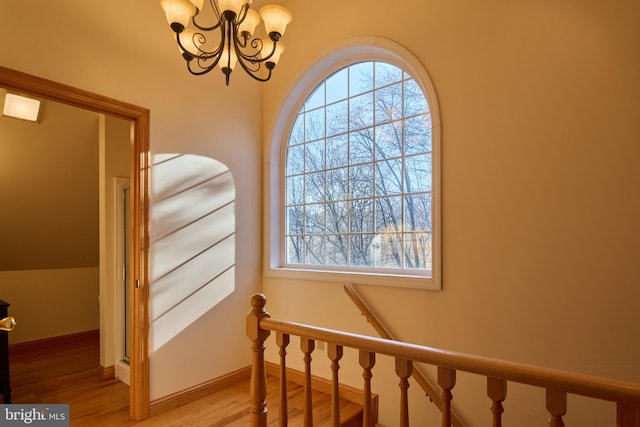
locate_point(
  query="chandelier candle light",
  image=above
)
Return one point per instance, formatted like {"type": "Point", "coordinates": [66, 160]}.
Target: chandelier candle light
{"type": "Point", "coordinates": [234, 22]}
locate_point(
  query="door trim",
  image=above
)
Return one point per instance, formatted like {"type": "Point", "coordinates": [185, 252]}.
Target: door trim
{"type": "Point", "coordinates": [140, 177]}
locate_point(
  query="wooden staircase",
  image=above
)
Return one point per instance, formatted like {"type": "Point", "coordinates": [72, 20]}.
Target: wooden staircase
{"type": "Point", "coordinates": [351, 412]}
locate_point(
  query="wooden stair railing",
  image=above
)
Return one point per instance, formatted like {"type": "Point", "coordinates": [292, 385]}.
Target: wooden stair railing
{"type": "Point", "coordinates": [558, 384]}
{"type": "Point", "coordinates": [430, 391]}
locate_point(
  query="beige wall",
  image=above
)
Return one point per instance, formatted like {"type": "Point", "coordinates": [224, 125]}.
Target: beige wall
{"type": "Point", "coordinates": [539, 104]}
{"type": "Point", "coordinates": [49, 187]}
{"type": "Point", "coordinates": [50, 303]}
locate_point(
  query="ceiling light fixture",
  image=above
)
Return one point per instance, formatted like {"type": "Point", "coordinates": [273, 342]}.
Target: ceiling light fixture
{"type": "Point", "coordinates": [233, 23]}
{"type": "Point", "coordinates": [21, 107]}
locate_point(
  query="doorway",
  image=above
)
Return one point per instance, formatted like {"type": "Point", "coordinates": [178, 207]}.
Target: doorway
{"type": "Point", "coordinates": [139, 242]}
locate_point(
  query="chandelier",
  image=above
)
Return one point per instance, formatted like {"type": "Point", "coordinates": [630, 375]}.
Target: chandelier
{"type": "Point", "coordinates": [223, 34]}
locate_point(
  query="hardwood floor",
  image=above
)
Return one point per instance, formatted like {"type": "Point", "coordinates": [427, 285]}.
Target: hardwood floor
{"type": "Point", "coordinates": [68, 373]}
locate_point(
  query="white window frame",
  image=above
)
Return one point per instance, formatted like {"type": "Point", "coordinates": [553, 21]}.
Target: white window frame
{"type": "Point", "coordinates": [350, 52]}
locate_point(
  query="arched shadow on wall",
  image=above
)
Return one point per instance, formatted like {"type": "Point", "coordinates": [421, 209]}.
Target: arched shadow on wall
{"type": "Point", "coordinates": [192, 228]}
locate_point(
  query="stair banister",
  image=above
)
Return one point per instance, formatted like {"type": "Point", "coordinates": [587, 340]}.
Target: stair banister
{"type": "Point", "coordinates": [557, 383]}
{"type": "Point", "coordinates": [429, 390]}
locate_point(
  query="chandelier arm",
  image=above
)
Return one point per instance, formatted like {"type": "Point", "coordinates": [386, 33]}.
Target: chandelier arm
{"type": "Point", "coordinates": [253, 73]}
{"type": "Point", "coordinates": [202, 70]}
{"type": "Point", "coordinates": [186, 54]}
{"type": "Point", "coordinates": [243, 13]}
{"type": "Point", "coordinates": [205, 57]}
{"type": "Point", "coordinates": [240, 46]}
{"type": "Point", "coordinates": [217, 13]}
{"type": "Point", "coordinates": [216, 10]}
{"type": "Point", "coordinates": [217, 53]}
{"type": "Point", "coordinates": [253, 58]}
{"type": "Point", "coordinates": [203, 28]}
{"type": "Point", "coordinates": [266, 58]}
{"type": "Point", "coordinates": [245, 60]}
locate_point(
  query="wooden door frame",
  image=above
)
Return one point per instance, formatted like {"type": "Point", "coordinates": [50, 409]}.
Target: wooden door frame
{"type": "Point", "coordinates": [140, 176]}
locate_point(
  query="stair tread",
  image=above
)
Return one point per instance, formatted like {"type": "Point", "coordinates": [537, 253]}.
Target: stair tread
{"type": "Point", "coordinates": [349, 411]}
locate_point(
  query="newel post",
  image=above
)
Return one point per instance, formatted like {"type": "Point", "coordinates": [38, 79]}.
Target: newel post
{"type": "Point", "coordinates": [257, 335]}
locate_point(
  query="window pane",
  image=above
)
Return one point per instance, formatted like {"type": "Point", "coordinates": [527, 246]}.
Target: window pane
{"type": "Point", "coordinates": [389, 140]}
{"type": "Point", "coordinates": [418, 251]}
{"type": "Point", "coordinates": [295, 159]}
{"type": "Point", "coordinates": [387, 74]}
{"type": "Point", "coordinates": [417, 135]}
{"type": "Point", "coordinates": [360, 78]}
{"type": "Point", "coordinates": [295, 190]}
{"type": "Point", "coordinates": [316, 99]}
{"type": "Point", "coordinates": [314, 124]}
{"type": "Point", "coordinates": [388, 103]}
{"type": "Point", "coordinates": [359, 250]}
{"type": "Point", "coordinates": [314, 253]}
{"type": "Point", "coordinates": [337, 250]}
{"type": "Point", "coordinates": [361, 181]}
{"type": "Point", "coordinates": [314, 157]}
{"type": "Point", "coordinates": [361, 216]}
{"type": "Point", "coordinates": [297, 131]}
{"type": "Point", "coordinates": [389, 177]}
{"type": "Point", "coordinates": [337, 217]}
{"type": "Point", "coordinates": [338, 86]}
{"type": "Point", "coordinates": [417, 212]}
{"type": "Point", "coordinates": [361, 111]}
{"type": "Point", "coordinates": [417, 173]}
{"type": "Point", "coordinates": [388, 214]}
{"type": "Point", "coordinates": [295, 219]}
{"type": "Point", "coordinates": [387, 250]}
{"type": "Point", "coordinates": [314, 188]}
{"type": "Point", "coordinates": [337, 151]}
{"type": "Point", "coordinates": [294, 249]}
{"type": "Point", "coordinates": [361, 146]}
{"type": "Point", "coordinates": [337, 184]}
{"type": "Point", "coordinates": [414, 100]}
{"type": "Point", "coordinates": [314, 218]}
{"type": "Point", "coordinates": [337, 118]}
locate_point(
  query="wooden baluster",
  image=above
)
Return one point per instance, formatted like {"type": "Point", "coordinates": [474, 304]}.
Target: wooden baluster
{"type": "Point", "coordinates": [367, 362]}
{"type": "Point", "coordinates": [628, 415]}
{"type": "Point", "coordinates": [446, 380]}
{"type": "Point", "coordinates": [497, 392]}
{"type": "Point", "coordinates": [282, 340]}
{"type": "Point", "coordinates": [557, 407]}
{"type": "Point", "coordinates": [404, 369]}
{"type": "Point", "coordinates": [307, 346]}
{"type": "Point", "coordinates": [334, 352]}
{"type": "Point", "coordinates": [258, 387]}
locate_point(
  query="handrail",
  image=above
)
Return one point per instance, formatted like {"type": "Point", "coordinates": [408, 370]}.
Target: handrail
{"type": "Point", "coordinates": [557, 383]}
{"type": "Point", "coordinates": [430, 391]}
{"type": "Point", "coordinates": [585, 385]}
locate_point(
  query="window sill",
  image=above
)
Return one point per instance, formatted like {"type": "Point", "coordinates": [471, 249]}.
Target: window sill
{"type": "Point", "coordinates": [388, 280]}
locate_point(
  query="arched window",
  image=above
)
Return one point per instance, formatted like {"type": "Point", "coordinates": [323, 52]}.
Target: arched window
{"type": "Point", "coordinates": [359, 176]}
